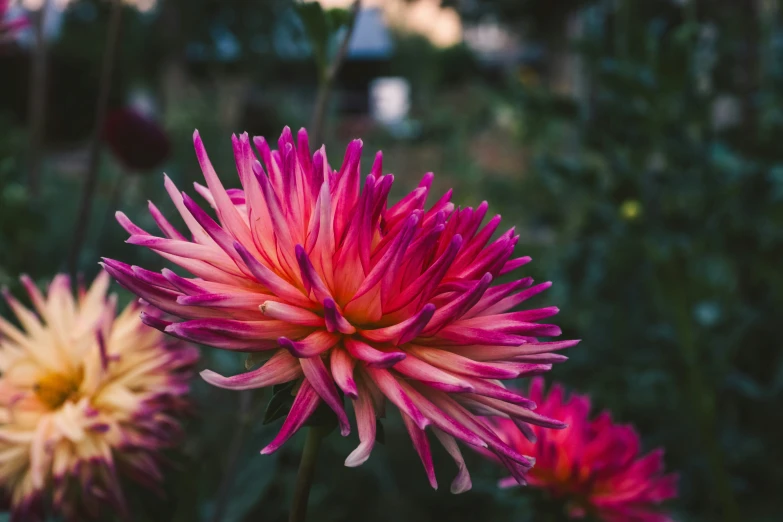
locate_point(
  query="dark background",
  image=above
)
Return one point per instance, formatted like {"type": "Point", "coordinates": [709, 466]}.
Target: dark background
{"type": "Point", "coordinates": [635, 145]}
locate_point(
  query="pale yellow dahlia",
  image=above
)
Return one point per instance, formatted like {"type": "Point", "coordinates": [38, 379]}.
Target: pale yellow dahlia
{"type": "Point", "coordinates": [85, 397]}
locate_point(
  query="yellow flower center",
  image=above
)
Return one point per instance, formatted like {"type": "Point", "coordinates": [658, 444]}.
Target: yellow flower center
{"type": "Point", "coordinates": [55, 388]}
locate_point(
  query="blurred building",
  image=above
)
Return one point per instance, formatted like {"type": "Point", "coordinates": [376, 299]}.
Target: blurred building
{"type": "Point", "coordinates": [441, 25]}
{"type": "Point", "coordinates": [365, 95]}
{"type": "Point", "coordinates": [493, 42]}
{"type": "Point", "coordinates": [530, 40]}
{"type": "Point", "coordinates": [369, 56]}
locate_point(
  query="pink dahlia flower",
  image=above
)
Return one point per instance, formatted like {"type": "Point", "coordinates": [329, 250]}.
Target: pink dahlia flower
{"type": "Point", "coordinates": [343, 293]}
{"type": "Point", "coordinates": [85, 398]}
{"type": "Point", "coordinates": [593, 466]}
{"type": "Point", "coordinates": [9, 27]}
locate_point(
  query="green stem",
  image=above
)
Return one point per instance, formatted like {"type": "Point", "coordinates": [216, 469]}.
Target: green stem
{"type": "Point", "coordinates": [326, 81]}
{"type": "Point", "coordinates": [114, 199]}
{"type": "Point", "coordinates": [88, 193]}
{"type": "Point", "coordinates": [304, 478]}
{"type": "Point", "coordinates": [38, 98]}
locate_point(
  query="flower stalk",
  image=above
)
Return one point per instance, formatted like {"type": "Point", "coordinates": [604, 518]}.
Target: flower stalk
{"type": "Point", "coordinates": [91, 178]}
{"type": "Point", "coordinates": [38, 98]}
{"type": "Point", "coordinates": [328, 76]}
{"type": "Point", "coordinates": [304, 478]}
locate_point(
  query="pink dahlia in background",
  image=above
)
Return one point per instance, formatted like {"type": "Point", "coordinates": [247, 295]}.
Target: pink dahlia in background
{"type": "Point", "coordinates": [8, 27]}
{"type": "Point", "coordinates": [594, 466]}
{"type": "Point", "coordinates": [345, 294]}
{"type": "Point", "coordinates": [137, 141]}
{"type": "Point", "coordinates": [85, 397]}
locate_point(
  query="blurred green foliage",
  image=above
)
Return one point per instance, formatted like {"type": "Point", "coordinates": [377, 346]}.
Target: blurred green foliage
{"type": "Point", "coordinates": [660, 181]}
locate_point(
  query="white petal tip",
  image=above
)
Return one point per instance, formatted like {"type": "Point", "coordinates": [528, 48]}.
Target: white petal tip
{"type": "Point", "coordinates": [210, 377]}
{"type": "Point", "coordinates": [353, 462]}
{"type": "Point", "coordinates": [461, 486]}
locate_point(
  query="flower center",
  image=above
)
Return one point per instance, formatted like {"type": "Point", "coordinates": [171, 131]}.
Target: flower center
{"type": "Point", "coordinates": [55, 388]}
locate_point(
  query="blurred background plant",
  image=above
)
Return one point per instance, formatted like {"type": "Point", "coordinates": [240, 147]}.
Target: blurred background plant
{"type": "Point", "coordinates": [633, 144]}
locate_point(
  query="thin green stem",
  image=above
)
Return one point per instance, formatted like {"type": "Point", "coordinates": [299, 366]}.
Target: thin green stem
{"type": "Point", "coordinates": [91, 179]}
{"type": "Point", "coordinates": [114, 200]}
{"type": "Point", "coordinates": [327, 78]}
{"type": "Point", "coordinates": [38, 98]}
{"type": "Point", "coordinates": [304, 478]}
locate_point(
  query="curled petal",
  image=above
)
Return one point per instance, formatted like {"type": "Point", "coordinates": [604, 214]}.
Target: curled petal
{"type": "Point", "coordinates": [403, 332]}
{"type": "Point", "coordinates": [318, 376]}
{"type": "Point", "coordinates": [335, 322]}
{"type": "Point", "coordinates": [291, 314]}
{"type": "Point", "coordinates": [310, 277]}
{"type": "Point", "coordinates": [342, 365]}
{"type": "Point", "coordinates": [366, 422]}
{"type": "Point", "coordinates": [375, 358]}
{"type": "Point", "coordinates": [304, 405]}
{"type": "Point", "coordinates": [259, 334]}
{"type": "Point", "coordinates": [280, 368]}
{"type": "Point", "coordinates": [462, 482]}
{"type": "Point", "coordinates": [269, 279]}
{"type": "Point", "coordinates": [314, 344]}
{"type": "Point", "coordinates": [462, 365]}
{"type": "Point", "coordinates": [498, 353]}
{"type": "Point", "coordinates": [456, 308]}
{"type": "Point", "coordinates": [432, 376]}
{"type": "Point", "coordinates": [422, 447]}
{"type": "Point", "coordinates": [393, 391]}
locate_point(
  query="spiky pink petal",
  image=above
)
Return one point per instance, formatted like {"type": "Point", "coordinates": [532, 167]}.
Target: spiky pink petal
{"type": "Point", "coordinates": [342, 366]}
{"type": "Point", "coordinates": [280, 368]}
{"type": "Point", "coordinates": [365, 419]}
{"type": "Point", "coordinates": [304, 405]}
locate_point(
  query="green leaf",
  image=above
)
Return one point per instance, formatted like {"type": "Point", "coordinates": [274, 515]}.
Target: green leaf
{"type": "Point", "coordinates": [280, 403]}
{"type": "Point", "coordinates": [337, 18]}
